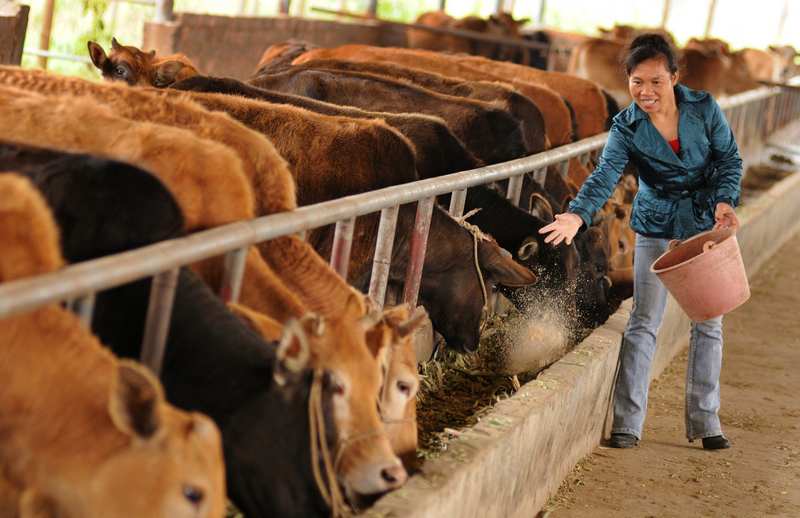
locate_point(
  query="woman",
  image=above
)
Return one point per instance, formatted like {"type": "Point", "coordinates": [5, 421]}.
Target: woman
{"type": "Point", "coordinates": [689, 173]}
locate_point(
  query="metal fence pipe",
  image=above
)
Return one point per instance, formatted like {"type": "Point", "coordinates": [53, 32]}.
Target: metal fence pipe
{"type": "Point", "coordinates": [515, 189]}
{"type": "Point", "coordinates": [583, 158]}
{"type": "Point", "coordinates": [419, 243]}
{"type": "Point", "coordinates": [342, 244]}
{"type": "Point", "coordinates": [159, 311]}
{"type": "Point", "coordinates": [457, 201]}
{"type": "Point", "coordinates": [383, 254]}
{"type": "Point", "coordinates": [84, 308]}
{"type": "Point", "coordinates": [233, 275]}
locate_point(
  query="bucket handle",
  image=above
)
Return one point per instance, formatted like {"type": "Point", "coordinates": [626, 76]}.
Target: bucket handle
{"type": "Point", "coordinates": [706, 246]}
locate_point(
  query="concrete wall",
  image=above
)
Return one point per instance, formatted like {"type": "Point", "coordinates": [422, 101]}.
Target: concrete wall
{"type": "Point", "coordinates": [516, 457]}
{"type": "Point", "coordinates": [232, 46]}
{"type": "Point", "coordinates": [13, 24]}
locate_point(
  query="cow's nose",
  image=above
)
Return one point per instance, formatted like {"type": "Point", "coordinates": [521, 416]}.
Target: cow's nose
{"type": "Point", "coordinates": [394, 474]}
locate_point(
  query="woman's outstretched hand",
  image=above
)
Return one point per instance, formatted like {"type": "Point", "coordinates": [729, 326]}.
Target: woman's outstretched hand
{"type": "Point", "coordinates": [563, 228]}
{"type": "Point", "coordinates": [724, 215]}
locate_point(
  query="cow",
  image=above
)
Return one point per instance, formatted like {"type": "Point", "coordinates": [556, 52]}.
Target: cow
{"type": "Point", "coordinates": [774, 65]}
{"type": "Point", "coordinates": [123, 451]}
{"type": "Point", "coordinates": [560, 44]}
{"type": "Point", "coordinates": [488, 131]}
{"type": "Point", "coordinates": [554, 110]}
{"type": "Point", "coordinates": [437, 150]}
{"type": "Point", "coordinates": [28, 113]}
{"type": "Point", "coordinates": [207, 346]}
{"type": "Point", "coordinates": [450, 291]}
{"type": "Point", "coordinates": [519, 106]}
{"type": "Point", "coordinates": [137, 68]}
{"type": "Point", "coordinates": [501, 24]}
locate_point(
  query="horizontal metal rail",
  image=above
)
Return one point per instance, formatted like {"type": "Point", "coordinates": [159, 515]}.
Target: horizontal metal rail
{"type": "Point", "coordinates": [85, 279]}
{"type": "Point", "coordinates": [56, 55]}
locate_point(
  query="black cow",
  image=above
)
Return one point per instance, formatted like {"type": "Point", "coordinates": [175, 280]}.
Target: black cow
{"type": "Point", "coordinates": [213, 362]}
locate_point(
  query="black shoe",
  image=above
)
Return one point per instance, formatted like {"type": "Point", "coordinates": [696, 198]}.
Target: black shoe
{"type": "Point", "coordinates": [718, 442]}
{"type": "Point", "coordinates": [622, 440]}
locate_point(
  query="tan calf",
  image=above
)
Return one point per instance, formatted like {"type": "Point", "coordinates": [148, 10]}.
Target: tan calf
{"type": "Point", "coordinates": [137, 68]}
{"type": "Point", "coordinates": [85, 434]}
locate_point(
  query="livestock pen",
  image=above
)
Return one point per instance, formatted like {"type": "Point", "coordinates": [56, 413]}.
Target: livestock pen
{"type": "Point", "coordinates": [517, 455]}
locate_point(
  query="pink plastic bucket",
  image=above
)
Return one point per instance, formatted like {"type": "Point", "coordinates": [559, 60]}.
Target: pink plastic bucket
{"type": "Point", "coordinates": [705, 274]}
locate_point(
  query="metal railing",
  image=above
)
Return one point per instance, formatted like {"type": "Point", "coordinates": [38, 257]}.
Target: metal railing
{"type": "Point", "coordinates": [753, 116]}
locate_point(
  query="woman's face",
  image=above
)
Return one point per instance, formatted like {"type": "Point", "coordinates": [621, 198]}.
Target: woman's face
{"type": "Point", "coordinates": [651, 85]}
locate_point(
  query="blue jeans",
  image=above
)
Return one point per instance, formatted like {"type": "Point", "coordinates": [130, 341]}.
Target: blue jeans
{"type": "Point", "coordinates": [639, 345]}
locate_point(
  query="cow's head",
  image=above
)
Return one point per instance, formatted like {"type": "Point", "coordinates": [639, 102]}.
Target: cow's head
{"type": "Point", "coordinates": [593, 283]}
{"type": "Point", "coordinates": [398, 402]}
{"type": "Point", "coordinates": [459, 279]}
{"type": "Point", "coordinates": [170, 465]}
{"type": "Point", "coordinates": [132, 66]}
{"type": "Point", "coordinates": [365, 462]}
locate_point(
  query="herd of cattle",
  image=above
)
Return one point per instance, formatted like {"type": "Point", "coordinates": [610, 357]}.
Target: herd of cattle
{"type": "Point", "coordinates": [308, 386]}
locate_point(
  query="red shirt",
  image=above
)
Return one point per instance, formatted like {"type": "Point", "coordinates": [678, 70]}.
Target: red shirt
{"type": "Point", "coordinates": [675, 145]}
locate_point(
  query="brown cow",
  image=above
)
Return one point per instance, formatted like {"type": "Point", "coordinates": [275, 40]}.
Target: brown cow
{"type": "Point", "coordinates": [774, 65]}
{"type": "Point", "coordinates": [557, 118]}
{"type": "Point", "coordinates": [29, 118]}
{"type": "Point", "coordinates": [137, 68]}
{"type": "Point", "coordinates": [437, 150]}
{"type": "Point", "coordinates": [519, 106]}
{"type": "Point", "coordinates": [502, 25]}
{"type": "Point", "coordinates": [122, 451]}
{"type": "Point", "coordinates": [487, 130]}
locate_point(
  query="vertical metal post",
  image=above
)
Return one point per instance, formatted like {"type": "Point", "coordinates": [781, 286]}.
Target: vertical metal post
{"type": "Point", "coordinates": [84, 308]}
{"type": "Point", "coordinates": [283, 6]}
{"type": "Point", "coordinates": [515, 189]}
{"type": "Point", "coordinates": [540, 19]}
{"type": "Point", "coordinates": [383, 254]}
{"type": "Point", "coordinates": [441, 4]}
{"type": "Point", "coordinates": [583, 158]}
{"type": "Point", "coordinates": [47, 26]}
{"type": "Point", "coordinates": [563, 168]}
{"type": "Point", "coordinates": [419, 243]}
{"type": "Point", "coordinates": [232, 276]}
{"type": "Point", "coordinates": [159, 311]}
{"type": "Point", "coordinates": [539, 175]}
{"type": "Point", "coordinates": [457, 200]}
{"type": "Point", "coordinates": [666, 14]}
{"type": "Point", "coordinates": [372, 8]}
{"type": "Point", "coordinates": [164, 11]}
{"type": "Point", "coordinates": [342, 243]}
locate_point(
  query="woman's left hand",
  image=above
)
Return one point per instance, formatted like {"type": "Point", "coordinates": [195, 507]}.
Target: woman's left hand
{"type": "Point", "coordinates": [725, 216]}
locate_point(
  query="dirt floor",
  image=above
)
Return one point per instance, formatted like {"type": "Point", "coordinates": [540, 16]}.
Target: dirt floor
{"type": "Point", "coordinates": [665, 475]}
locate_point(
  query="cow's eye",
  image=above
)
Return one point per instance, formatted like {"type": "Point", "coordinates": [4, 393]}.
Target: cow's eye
{"type": "Point", "coordinates": [193, 494]}
{"type": "Point", "coordinates": [404, 387]}
{"type": "Point", "coordinates": [120, 71]}
{"type": "Point", "coordinates": [600, 269]}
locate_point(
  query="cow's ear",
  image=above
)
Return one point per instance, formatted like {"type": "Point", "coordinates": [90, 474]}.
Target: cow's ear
{"type": "Point", "coordinates": [166, 72]}
{"type": "Point", "coordinates": [136, 399]}
{"type": "Point", "coordinates": [294, 350]}
{"type": "Point", "coordinates": [529, 248]}
{"type": "Point", "coordinates": [34, 504]}
{"type": "Point", "coordinates": [410, 326]}
{"type": "Point", "coordinates": [507, 271]}
{"type": "Point", "coordinates": [152, 54]}
{"type": "Point", "coordinates": [355, 307]}
{"type": "Point", "coordinates": [566, 202]}
{"type": "Point", "coordinates": [114, 44]}
{"type": "Point", "coordinates": [541, 208]}
{"type": "Point", "coordinates": [97, 54]}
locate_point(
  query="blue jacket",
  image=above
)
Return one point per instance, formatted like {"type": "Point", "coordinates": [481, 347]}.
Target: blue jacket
{"type": "Point", "coordinates": [677, 193]}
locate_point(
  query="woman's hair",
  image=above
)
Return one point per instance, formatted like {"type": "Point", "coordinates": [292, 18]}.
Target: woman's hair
{"type": "Point", "coordinates": [650, 46]}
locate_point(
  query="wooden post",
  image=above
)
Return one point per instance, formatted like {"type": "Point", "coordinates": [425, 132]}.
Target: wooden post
{"type": "Point", "coordinates": [710, 17]}
{"type": "Point", "coordinates": [666, 14]}
{"type": "Point", "coordinates": [13, 24]}
{"type": "Point", "coordinates": [163, 11]}
{"type": "Point", "coordinates": [47, 26]}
